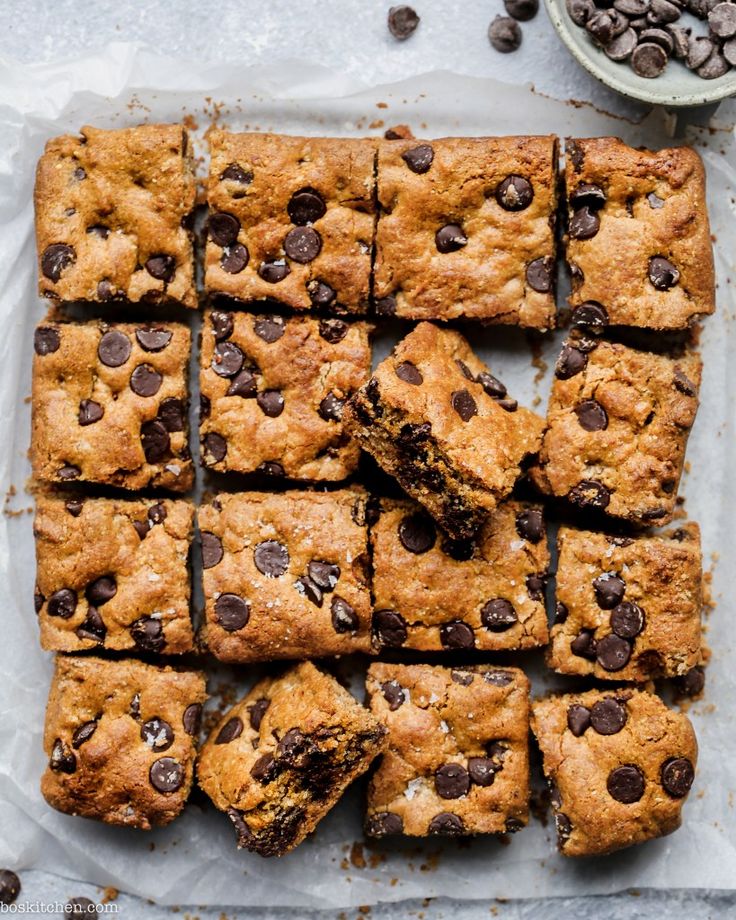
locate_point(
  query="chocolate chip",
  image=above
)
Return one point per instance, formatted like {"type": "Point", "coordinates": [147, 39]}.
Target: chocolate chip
{"type": "Point", "coordinates": [386, 306]}
{"type": "Point", "coordinates": [232, 612]}
{"type": "Point", "coordinates": [419, 158]}
{"type": "Point", "coordinates": [451, 781]}
{"type": "Point", "coordinates": [212, 551]}
{"type": "Point", "coordinates": [522, 10]}
{"type": "Point", "coordinates": [498, 615]}
{"type": "Point", "coordinates": [330, 409]}
{"type": "Point", "coordinates": [101, 590]}
{"type": "Point", "coordinates": [663, 11]}
{"type": "Point", "coordinates": [504, 35]}
{"type": "Point", "coordinates": [307, 588]}
{"type": "Point", "coordinates": [563, 826]}
{"type": "Point", "coordinates": [9, 886]}
{"type": "Point", "coordinates": [588, 195]}
{"type": "Point", "coordinates": [157, 734]}
{"type": "Point", "coordinates": [608, 716]}
{"type": "Point", "coordinates": [446, 825]}
{"type": "Point", "coordinates": [244, 385]}
{"type": "Point", "coordinates": [464, 404]}
{"type": "Point", "coordinates": [231, 730]}
{"type": "Point", "coordinates": [482, 770]}
{"type": "Point", "coordinates": [89, 412]}
{"type": "Point", "coordinates": [417, 532]}
{"type": "Point", "coordinates": [236, 173]}
{"type": "Point", "coordinates": [584, 224]}
{"type": "Point", "coordinates": [464, 678]}
{"type": "Point", "coordinates": [530, 525]}
{"type": "Point", "coordinates": [590, 314]}
{"type": "Point", "coordinates": [589, 493]}
{"type": "Point", "coordinates": [729, 51]}
{"type": "Point", "coordinates": [114, 348]}
{"type": "Point", "coordinates": [324, 574]}
{"type": "Point", "coordinates": [662, 273]}
{"type": "Point", "coordinates": [62, 759]}
{"type": "Point", "coordinates": [56, 258]}
{"type": "Point", "coordinates": [192, 718]}
{"type": "Point", "coordinates": [677, 775]}
{"type": "Point", "coordinates": [271, 468]}
{"type": "Point", "coordinates": [294, 746]}
{"type": "Point", "coordinates": [271, 558]}
{"type": "Point", "coordinates": [80, 907]}
{"type": "Point", "coordinates": [700, 50]}
{"type": "Point", "coordinates": [38, 600]}
{"type": "Point", "coordinates": [605, 25]}
{"type": "Point", "coordinates": [536, 585]}
{"type": "Point", "coordinates": [333, 330]}
{"type": "Point", "coordinates": [508, 405]}
{"type": "Point", "coordinates": [92, 627]}
{"type": "Point", "coordinates": [69, 471]}
{"type": "Point", "coordinates": [227, 359]}
{"type": "Point", "coordinates": [409, 373]}
{"type": "Point", "coordinates": [154, 440]}
{"type": "Point", "coordinates": [145, 380]}
{"type": "Point", "coordinates": [613, 652]}
{"type": "Point", "coordinates": [171, 413]}
{"type": "Point", "coordinates": [561, 613]}
{"type": "Point", "coordinates": [648, 60]}
{"type": "Point", "coordinates": [389, 628]}
{"type": "Point", "coordinates": [306, 206]}
{"type": "Point", "coordinates": [157, 513]}
{"type": "Point", "coordinates": [497, 678]}
{"type": "Point", "coordinates": [457, 635]}
{"type": "Point", "coordinates": [659, 37]}
{"type": "Point", "coordinates": [166, 775]}
{"type": "Point", "coordinates": [46, 340]}
{"type": "Point", "coordinates": [235, 258]}
{"type": "Point", "coordinates": [153, 339]}
{"type": "Point", "coordinates": [583, 645]}
{"type": "Point", "coordinates": [265, 769]}
{"type": "Point", "coordinates": [256, 713]}
{"type": "Point", "coordinates": [627, 620]}
{"type": "Point", "coordinates": [302, 244]}
{"type": "Point", "coordinates": [271, 403]}
{"type": "Point", "coordinates": [393, 693]}
{"type": "Point", "coordinates": [609, 590]}
{"type": "Point", "coordinates": [580, 11]}
{"type": "Point", "coordinates": [344, 618]}
{"type": "Point", "coordinates": [83, 733]}
{"type": "Point", "coordinates": [62, 603]}
{"type": "Point", "coordinates": [383, 824]}
{"type": "Point", "coordinates": [578, 719]}
{"type": "Point", "coordinates": [459, 550]}
{"type": "Point", "coordinates": [274, 271]}
{"type": "Point", "coordinates": [626, 784]}
{"type": "Point", "coordinates": [161, 267]}
{"type": "Point", "coordinates": [402, 22]}
{"type": "Point", "coordinates": [320, 293]}
{"type": "Point", "coordinates": [591, 415]}
{"type": "Point", "coordinates": [223, 228]}
{"type": "Point", "coordinates": [492, 385]}
{"type": "Point", "coordinates": [693, 682]}
{"type": "Point", "coordinates": [539, 275]}
{"type": "Point", "coordinates": [148, 634]}
{"type": "Point", "coordinates": [450, 238]}
{"type": "Point", "coordinates": [222, 325]}
{"type": "Point", "coordinates": [683, 383]}
{"type": "Point", "coordinates": [514, 193]}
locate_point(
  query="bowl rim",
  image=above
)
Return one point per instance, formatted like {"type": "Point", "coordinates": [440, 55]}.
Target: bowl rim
{"type": "Point", "coordinates": [719, 89]}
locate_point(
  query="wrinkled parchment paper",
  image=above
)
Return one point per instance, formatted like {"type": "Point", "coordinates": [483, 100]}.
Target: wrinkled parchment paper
{"type": "Point", "coordinates": [194, 860]}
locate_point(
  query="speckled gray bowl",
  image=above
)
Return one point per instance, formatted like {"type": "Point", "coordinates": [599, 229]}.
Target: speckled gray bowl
{"type": "Point", "coordinates": [677, 86]}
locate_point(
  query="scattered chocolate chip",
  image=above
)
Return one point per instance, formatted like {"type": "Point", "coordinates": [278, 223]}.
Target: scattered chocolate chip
{"type": "Point", "coordinates": [154, 440]}
{"type": "Point", "coordinates": [101, 590]}
{"type": "Point", "coordinates": [446, 825]}
{"type": "Point", "coordinates": [344, 618]}
{"type": "Point", "coordinates": [62, 603]}
{"type": "Point", "coordinates": [563, 826]}
{"type": "Point", "coordinates": [222, 325]}
{"type": "Point", "coordinates": [231, 730]}
{"type": "Point", "coordinates": [452, 781]}
{"type": "Point", "coordinates": [662, 273]}
{"type": "Point", "coordinates": [83, 733]}
{"type": "Point", "coordinates": [498, 615]}
{"type": "Point", "coordinates": [302, 244]}
{"type": "Point", "coordinates": [417, 532]}
{"type": "Point", "coordinates": [578, 719]}
{"type": "Point", "coordinates": [419, 158]}
{"type": "Point", "coordinates": [223, 228]}
{"type": "Point", "coordinates": [236, 173]}
{"type": "Point", "coordinates": [522, 10]}
{"type": "Point", "coordinates": [627, 620]}
{"type": "Point", "coordinates": [157, 513]}
{"type": "Point", "coordinates": [591, 415]}
{"type": "Point", "coordinates": [273, 271]}
{"type": "Point", "coordinates": [271, 558]}
{"type": "Point", "coordinates": [330, 409]}
{"type": "Point", "coordinates": [393, 693]}
{"type": "Point", "coordinates": [227, 359]}
{"type": "Point", "coordinates": [659, 37]}
{"type": "Point", "coordinates": [294, 746]}
{"type": "Point", "coordinates": [192, 718]}
{"type": "Point", "coordinates": [584, 224]}
{"type": "Point", "coordinates": [9, 886]}
{"type": "Point", "coordinates": [265, 769]}
{"type": "Point", "coordinates": [171, 413]}
{"type": "Point", "coordinates": [609, 590]}
{"type": "Point", "coordinates": [648, 60]}
{"type": "Point", "coordinates": [271, 403]}
{"type": "Point", "coordinates": [402, 22]}
{"type": "Point", "coordinates": [244, 385]}
{"type": "Point", "coordinates": [677, 775]}
{"type": "Point", "coordinates": [409, 373]}
{"type": "Point", "coordinates": [589, 493]}
{"type": "Point", "coordinates": [504, 35]}
{"type": "Point", "coordinates": [464, 678]}
{"type": "Point", "coordinates": [498, 679]}
{"type": "Point", "coordinates": [613, 652]}
{"type": "Point", "coordinates": [386, 306]}
{"type": "Point", "coordinates": [235, 258]}
{"type": "Point", "coordinates": [482, 770]}
{"type": "Point", "coordinates": [536, 585]}
{"type": "Point", "coordinates": [561, 613]}
{"type": "Point", "coordinates": [271, 468]}
{"type": "Point", "coordinates": [539, 274]}
{"type": "Point", "coordinates": [320, 293]}
{"type": "Point", "coordinates": [384, 824]}
{"type": "Point", "coordinates": [166, 775]}
{"type": "Point", "coordinates": [491, 385]}
{"type": "Point", "coordinates": [583, 645]}
{"type": "Point", "coordinates": [162, 267]}
{"type": "Point", "coordinates": [153, 339]}
{"type": "Point", "coordinates": [692, 683]}
{"type": "Point", "coordinates": [257, 711]}
{"type": "Point", "coordinates": [589, 196]}
{"type": "Point", "coordinates": [605, 25]}
{"type": "Point", "coordinates": [608, 716]}
{"type": "Point", "coordinates": [701, 48]}
{"type": "Point", "coordinates": [38, 600]}
{"type": "Point", "coordinates": [46, 340]}
{"type": "Point", "coordinates": [591, 315]}
{"type": "Point", "coordinates": [580, 11]}
{"type": "Point", "coordinates": [683, 383]}
{"type": "Point", "coordinates": [212, 551]}
{"type": "Point", "coordinates": [69, 471]}
{"type": "Point", "coordinates": [307, 588]}
{"type": "Point", "coordinates": [333, 330]}
{"type": "Point", "coordinates": [464, 404]}
{"type": "Point", "coordinates": [89, 412]}
{"type": "Point", "coordinates": [306, 206]}
{"type": "Point", "coordinates": [450, 238]}
{"type": "Point", "coordinates": [457, 635]}
{"type": "Point", "coordinates": [62, 759]}
{"type": "Point", "coordinates": [389, 628]}
{"type": "Point", "coordinates": [56, 258]}
{"type": "Point", "coordinates": [530, 525]}
{"type": "Point", "coordinates": [148, 634]}
{"type": "Point", "coordinates": [626, 784]}
{"type": "Point", "coordinates": [145, 380]}
{"type": "Point", "coordinates": [92, 627]}
{"type": "Point", "coordinates": [114, 348]}
{"type": "Point", "coordinates": [157, 734]}
{"type": "Point", "coordinates": [514, 193]}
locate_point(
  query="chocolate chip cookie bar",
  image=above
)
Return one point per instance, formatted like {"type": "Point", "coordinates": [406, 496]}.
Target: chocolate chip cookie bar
{"type": "Point", "coordinates": [638, 240]}
{"type": "Point", "coordinates": [291, 220]}
{"type": "Point", "coordinates": [113, 574]}
{"type": "Point", "coordinates": [282, 757]}
{"type": "Point", "coordinates": [110, 404]}
{"type": "Point", "coordinates": [628, 608]}
{"type": "Point", "coordinates": [286, 575]}
{"type": "Point", "coordinates": [617, 426]}
{"type": "Point", "coordinates": [273, 391]}
{"type": "Point", "coordinates": [457, 761]}
{"type": "Point", "coordinates": [434, 593]}
{"type": "Point", "coordinates": [113, 213]}
{"type": "Point", "coordinates": [121, 740]}
{"type": "Point", "coordinates": [467, 229]}
{"type": "Point", "coordinates": [619, 764]}
{"type": "Point", "coordinates": [438, 421]}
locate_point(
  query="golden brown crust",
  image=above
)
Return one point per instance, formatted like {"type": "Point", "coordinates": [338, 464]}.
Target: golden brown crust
{"type": "Point", "coordinates": [138, 440]}
{"type": "Point", "coordinates": [262, 599]}
{"type": "Point", "coordinates": [117, 199]}
{"type": "Point", "coordinates": [579, 765]}
{"type": "Point", "coordinates": [107, 769]}
{"type": "Point", "coordinates": [441, 589]}
{"type": "Point", "coordinates": [487, 277]}
{"type": "Point", "coordinates": [655, 206]}
{"type": "Point", "coordinates": [307, 368]}
{"type": "Point", "coordinates": [646, 405]}
{"type": "Point", "coordinates": [660, 575]}
{"type": "Point", "coordinates": [283, 756]}
{"type": "Point", "coordinates": [474, 718]}
{"type": "Point", "coordinates": [270, 168]}
{"type": "Point", "coordinates": [139, 549]}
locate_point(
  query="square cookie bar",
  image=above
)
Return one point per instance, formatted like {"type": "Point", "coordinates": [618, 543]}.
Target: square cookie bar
{"type": "Point", "coordinates": [435, 419]}
{"type": "Point", "coordinates": [110, 404]}
{"type": "Point", "coordinates": [617, 426]}
{"type": "Point", "coordinates": [291, 220]}
{"type": "Point", "coordinates": [467, 229]}
{"type": "Point", "coordinates": [113, 573]}
{"type": "Point", "coordinates": [619, 765]}
{"type": "Point", "coordinates": [286, 575]}
{"type": "Point", "coordinates": [282, 757]}
{"type": "Point", "coordinates": [638, 241]}
{"type": "Point", "coordinates": [457, 760]}
{"type": "Point", "coordinates": [273, 391]}
{"type": "Point", "coordinates": [113, 215]}
{"type": "Point", "coordinates": [433, 593]}
{"type": "Point", "coordinates": [121, 740]}
{"type": "Point", "coordinates": [628, 608]}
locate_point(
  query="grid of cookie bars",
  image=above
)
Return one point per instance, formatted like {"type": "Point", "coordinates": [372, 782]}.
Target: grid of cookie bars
{"type": "Point", "coordinates": [433, 555]}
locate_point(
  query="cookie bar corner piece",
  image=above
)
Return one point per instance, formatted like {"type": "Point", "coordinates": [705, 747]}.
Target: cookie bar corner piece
{"type": "Point", "coordinates": [282, 757]}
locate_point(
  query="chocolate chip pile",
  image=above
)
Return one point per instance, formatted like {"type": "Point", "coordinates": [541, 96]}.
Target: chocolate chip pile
{"type": "Point", "coordinates": [647, 33]}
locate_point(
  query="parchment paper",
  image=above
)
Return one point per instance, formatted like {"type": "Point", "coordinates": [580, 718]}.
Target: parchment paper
{"type": "Point", "coordinates": [194, 860]}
